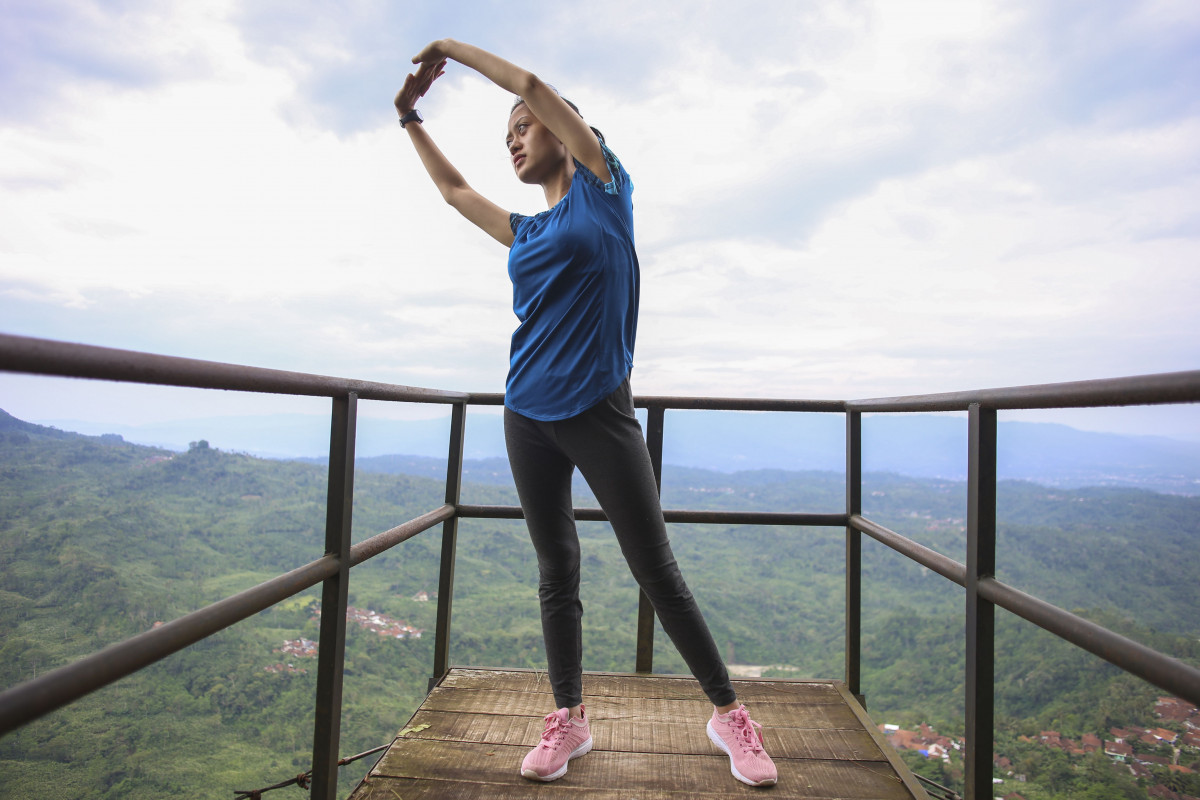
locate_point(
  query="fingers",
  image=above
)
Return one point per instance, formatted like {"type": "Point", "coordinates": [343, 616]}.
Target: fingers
{"type": "Point", "coordinates": [416, 85]}
{"type": "Point", "coordinates": [427, 73]}
{"type": "Point", "coordinates": [432, 69]}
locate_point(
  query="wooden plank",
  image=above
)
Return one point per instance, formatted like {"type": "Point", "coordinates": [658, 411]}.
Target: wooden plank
{"type": "Point", "coordinates": [636, 685]}
{"type": "Point", "coordinates": [636, 736]}
{"type": "Point", "coordinates": [423, 759]}
{"type": "Point", "coordinates": [408, 789]}
{"type": "Point", "coordinates": [769, 715]}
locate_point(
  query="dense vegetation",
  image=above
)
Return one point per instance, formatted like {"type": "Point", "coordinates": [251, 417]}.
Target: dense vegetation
{"type": "Point", "coordinates": [99, 539]}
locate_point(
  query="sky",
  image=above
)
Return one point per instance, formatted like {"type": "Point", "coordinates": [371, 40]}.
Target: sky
{"type": "Point", "coordinates": [834, 200]}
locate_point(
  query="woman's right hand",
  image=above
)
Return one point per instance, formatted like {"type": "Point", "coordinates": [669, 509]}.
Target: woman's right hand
{"type": "Point", "coordinates": [416, 85]}
{"type": "Point", "coordinates": [434, 51]}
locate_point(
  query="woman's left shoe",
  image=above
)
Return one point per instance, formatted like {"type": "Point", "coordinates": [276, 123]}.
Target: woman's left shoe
{"type": "Point", "coordinates": [741, 738]}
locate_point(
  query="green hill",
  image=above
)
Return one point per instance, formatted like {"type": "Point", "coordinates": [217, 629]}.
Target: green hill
{"type": "Point", "coordinates": [100, 539]}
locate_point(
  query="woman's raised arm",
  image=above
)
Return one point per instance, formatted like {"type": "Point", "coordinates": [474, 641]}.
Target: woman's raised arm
{"type": "Point", "coordinates": [488, 216]}
{"type": "Point", "coordinates": [543, 101]}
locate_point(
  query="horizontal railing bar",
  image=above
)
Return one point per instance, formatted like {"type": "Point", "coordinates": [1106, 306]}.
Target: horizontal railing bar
{"type": "Point", "coordinates": [1166, 387]}
{"type": "Point", "coordinates": [677, 515]}
{"type": "Point", "coordinates": [756, 518]}
{"type": "Point", "coordinates": [485, 398]}
{"type": "Point", "coordinates": [27, 701]}
{"type": "Point", "coordinates": [737, 403]}
{"type": "Point", "coordinates": [700, 403]}
{"type": "Point", "coordinates": [369, 548]}
{"type": "Point", "coordinates": [1133, 657]}
{"type": "Point", "coordinates": [66, 359]}
{"type": "Point", "coordinates": [1144, 662]}
{"type": "Point", "coordinates": [69, 360]}
{"type": "Point", "coordinates": [943, 565]}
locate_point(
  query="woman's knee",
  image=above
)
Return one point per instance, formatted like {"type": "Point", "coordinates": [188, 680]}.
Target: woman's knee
{"type": "Point", "coordinates": [663, 584]}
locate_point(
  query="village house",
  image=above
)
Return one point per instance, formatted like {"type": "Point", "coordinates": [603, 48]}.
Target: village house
{"type": "Point", "coordinates": [303, 648]}
{"type": "Point", "coordinates": [925, 741]}
{"type": "Point", "coordinates": [1164, 793]}
{"type": "Point", "coordinates": [1173, 709]}
{"type": "Point", "coordinates": [1164, 735]}
{"type": "Point", "coordinates": [278, 668]}
{"type": "Point", "coordinates": [1055, 740]}
{"type": "Point", "coordinates": [377, 623]}
{"type": "Point", "coordinates": [1118, 751]}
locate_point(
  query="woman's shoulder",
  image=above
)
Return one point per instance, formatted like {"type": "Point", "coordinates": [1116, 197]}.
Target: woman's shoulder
{"type": "Point", "coordinates": [620, 178]}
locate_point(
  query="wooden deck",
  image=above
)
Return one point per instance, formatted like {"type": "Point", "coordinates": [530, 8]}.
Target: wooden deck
{"type": "Point", "coordinates": [468, 738]}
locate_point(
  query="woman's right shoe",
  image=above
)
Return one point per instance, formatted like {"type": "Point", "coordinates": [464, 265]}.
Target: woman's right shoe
{"type": "Point", "coordinates": [563, 739]}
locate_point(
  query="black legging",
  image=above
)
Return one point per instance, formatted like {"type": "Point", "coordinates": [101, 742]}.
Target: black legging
{"type": "Point", "coordinates": [606, 443]}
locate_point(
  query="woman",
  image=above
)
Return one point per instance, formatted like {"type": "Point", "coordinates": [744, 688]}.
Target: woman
{"type": "Point", "coordinates": [567, 401]}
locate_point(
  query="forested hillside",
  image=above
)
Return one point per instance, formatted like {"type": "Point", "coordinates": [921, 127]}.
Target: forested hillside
{"type": "Point", "coordinates": [100, 539]}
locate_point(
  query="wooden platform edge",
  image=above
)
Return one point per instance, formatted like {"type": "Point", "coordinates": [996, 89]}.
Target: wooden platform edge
{"type": "Point", "coordinates": [905, 774]}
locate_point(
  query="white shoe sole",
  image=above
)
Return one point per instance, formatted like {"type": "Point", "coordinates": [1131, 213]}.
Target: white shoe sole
{"type": "Point", "coordinates": [719, 742]}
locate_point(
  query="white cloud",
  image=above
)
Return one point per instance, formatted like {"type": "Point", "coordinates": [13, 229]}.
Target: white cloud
{"type": "Point", "coordinates": [841, 199]}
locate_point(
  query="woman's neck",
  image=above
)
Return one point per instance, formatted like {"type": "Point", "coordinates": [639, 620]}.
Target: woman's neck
{"type": "Point", "coordinates": [557, 186]}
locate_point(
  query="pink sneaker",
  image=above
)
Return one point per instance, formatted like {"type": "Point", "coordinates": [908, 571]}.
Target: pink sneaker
{"type": "Point", "coordinates": [563, 739]}
{"type": "Point", "coordinates": [741, 738]}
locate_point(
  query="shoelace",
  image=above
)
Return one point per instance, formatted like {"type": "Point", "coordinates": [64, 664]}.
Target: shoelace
{"type": "Point", "coordinates": [747, 731]}
{"type": "Point", "coordinates": [554, 732]}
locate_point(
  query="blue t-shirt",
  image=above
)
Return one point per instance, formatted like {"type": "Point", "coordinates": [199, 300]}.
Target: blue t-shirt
{"type": "Point", "coordinates": [575, 291]}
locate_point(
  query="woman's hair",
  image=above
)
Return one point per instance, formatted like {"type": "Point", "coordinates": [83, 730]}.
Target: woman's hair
{"type": "Point", "coordinates": [520, 100]}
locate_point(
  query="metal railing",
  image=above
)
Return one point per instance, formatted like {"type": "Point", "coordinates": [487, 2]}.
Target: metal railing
{"type": "Point", "coordinates": [21, 704]}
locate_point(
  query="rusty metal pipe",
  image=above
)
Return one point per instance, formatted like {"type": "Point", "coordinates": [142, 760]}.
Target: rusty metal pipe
{"type": "Point", "coordinates": [1150, 665]}
{"type": "Point", "coordinates": [1166, 387]}
{"type": "Point", "coordinates": [677, 515]}
{"type": "Point", "coordinates": [942, 565]}
{"type": "Point", "coordinates": [369, 548]}
{"type": "Point", "coordinates": [68, 360]}
{"type": "Point", "coordinates": [27, 701]}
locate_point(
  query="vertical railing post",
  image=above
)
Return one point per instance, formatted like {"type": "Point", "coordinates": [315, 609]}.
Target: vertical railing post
{"type": "Point", "coordinates": [644, 661]}
{"type": "Point", "coordinates": [331, 653]}
{"type": "Point", "coordinates": [454, 465]}
{"type": "Point", "coordinates": [981, 627]}
{"type": "Point", "coordinates": [853, 553]}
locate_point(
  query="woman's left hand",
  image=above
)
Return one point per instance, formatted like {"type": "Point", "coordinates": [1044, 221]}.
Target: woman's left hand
{"type": "Point", "coordinates": [415, 86]}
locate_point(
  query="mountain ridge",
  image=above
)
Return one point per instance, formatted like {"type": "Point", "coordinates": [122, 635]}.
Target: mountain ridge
{"type": "Point", "coordinates": [920, 445]}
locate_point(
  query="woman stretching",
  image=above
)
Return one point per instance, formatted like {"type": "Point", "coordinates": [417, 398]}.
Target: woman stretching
{"type": "Point", "coordinates": [567, 401]}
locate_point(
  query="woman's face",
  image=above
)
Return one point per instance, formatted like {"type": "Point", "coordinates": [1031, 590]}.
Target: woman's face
{"type": "Point", "coordinates": [536, 152]}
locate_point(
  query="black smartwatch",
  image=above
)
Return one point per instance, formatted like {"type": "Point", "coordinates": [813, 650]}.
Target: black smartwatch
{"type": "Point", "coordinates": [411, 116]}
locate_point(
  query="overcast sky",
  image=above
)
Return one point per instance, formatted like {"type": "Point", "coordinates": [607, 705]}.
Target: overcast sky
{"type": "Point", "coordinates": [833, 199]}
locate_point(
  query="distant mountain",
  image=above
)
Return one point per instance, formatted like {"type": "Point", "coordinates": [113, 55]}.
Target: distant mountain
{"type": "Point", "coordinates": [12, 426]}
{"type": "Point", "coordinates": [920, 445]}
